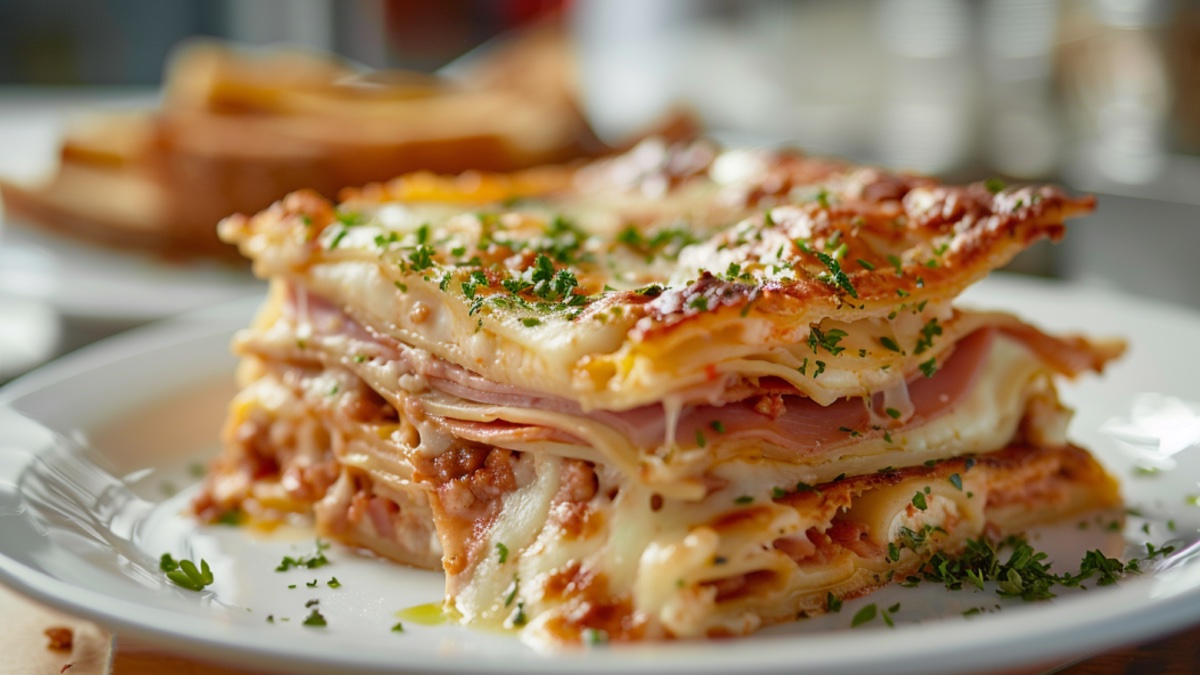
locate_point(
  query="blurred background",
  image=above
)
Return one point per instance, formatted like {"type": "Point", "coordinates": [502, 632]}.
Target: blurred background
{"type": "Point", "coordinates": [1100, 95]}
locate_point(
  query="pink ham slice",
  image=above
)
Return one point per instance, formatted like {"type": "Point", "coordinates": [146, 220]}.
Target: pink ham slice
{"type": "Point", "coordinates": [803, 427]}
{"type": "Point", "coordinates": [791, 424]}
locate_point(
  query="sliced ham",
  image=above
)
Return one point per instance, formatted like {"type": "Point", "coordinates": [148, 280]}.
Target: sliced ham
{"type": "Point", "coordinates": [775, 415]}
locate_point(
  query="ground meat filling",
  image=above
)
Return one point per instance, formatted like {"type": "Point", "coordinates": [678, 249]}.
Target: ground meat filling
{"type": "Point", "coordinates": [469, 483]}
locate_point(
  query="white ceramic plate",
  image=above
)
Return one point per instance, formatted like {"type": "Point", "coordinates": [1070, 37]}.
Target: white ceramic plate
{"type": "Point", "coordinates": [91, 445]}
{"type": "Point", "coordinates": [77, 279]}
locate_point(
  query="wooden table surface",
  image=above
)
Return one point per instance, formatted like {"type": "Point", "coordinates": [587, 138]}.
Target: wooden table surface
{"type": "Point", "coordinates": [24, 649]}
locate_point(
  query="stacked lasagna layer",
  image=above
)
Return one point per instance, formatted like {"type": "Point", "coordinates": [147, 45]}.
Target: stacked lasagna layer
{"type": "Point", "coordinates": [675, 393]}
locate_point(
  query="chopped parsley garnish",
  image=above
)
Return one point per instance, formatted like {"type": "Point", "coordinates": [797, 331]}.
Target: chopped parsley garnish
{"type": "Point", "coordinates": [805, 487]}
{"type": "Point", "coordinates": [308, 562]}
{"type": "Point", "coordinates": [666, 242]}
{"type": "Point", "coordinates": [928, 332]}
{"type": "Point", "coordinates": [421, 258]}
{"type": "Point", "coordinates": [502, 552]}
{"type": "Point", "coordinates": [183, 573]}
{"type": "Point", "coordinates": [519, 618]}
{"type": "Point", "coordinates": [333, 582]}
{"type": "Point", "coordinates": [631, 237]}
{"type": "Point", "coordinates": [892, 413]}
{"type": "Point", "coordinates": [476, 279]}
{"type": "Point", "coordinates": [822, 199]}
{"type": "Point", "coordinates": [897, 264]}
{"type": "Point", "coordinates": [956, 481]}
{"type": "Point", "coordinates": [530, 322]}
{"type": "Point", "coordinates": [994, 185]}
{"type": "Point", "coordinates": [315, 619]}
{"type": "Point", "coordinates": [1024, 574]}
{"type": "Point", "coordinates": [744, 499]}
{"type": "Point", "coordinates": [832, 602]}
{"type": "Point", "coordinates": [717, 426]}
{"type": "Point", "coordinates": [734, 273]}
{"type": "Point", "coordinates": [383, 241]}
{"type": "Point", "coordinates": [701, 441]}
{"type": "Point", "coordinates": [515, 286]}
{"type": "Point", "coordinates": [918, 501]}
{"type": "Point", "coordinates": [700, 302]}
{"type": "Point", "coordinates": [835, 276]}
{"type": "Point", "coordinates": [550, 285]}
{"type": "Point", "coordinates": [313, 584]}
{"type": "Point", "coordinates": [827, 340]}
{"type": "Point", "coordinates": [593, 636]}
{"type": "Point", "coordinates": [928, 368]}
{"type": "Point", "coordinates": [864, 615]}
{"type": "Point", "coordinates": [337, 238]}
{"type": "Point", "coordinates": [865, 265]}
{"type": "Point", "coordinates": [1152, 552]}
{"type": "Point", "coordinates": [398, 628]}
{"type": "Point", "coordinates": [232, 518]}
{"type": "Point", "coordinates": [889, 343]}
{"type": "Point", "coordinates": [887, 615]}
{"type": "Point", "coordinates": [349, 218]}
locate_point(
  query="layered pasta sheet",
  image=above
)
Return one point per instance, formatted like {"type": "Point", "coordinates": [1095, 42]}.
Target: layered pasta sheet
{"type": "Point", "coordinates": [676, 393]}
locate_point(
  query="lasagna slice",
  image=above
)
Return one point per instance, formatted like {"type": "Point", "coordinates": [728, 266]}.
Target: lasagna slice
{"type": "Point", "coordinates": [675, 393]}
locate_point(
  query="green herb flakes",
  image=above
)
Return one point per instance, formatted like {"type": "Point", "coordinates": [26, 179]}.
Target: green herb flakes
{"type": "Point", "coordinates": [183, 573]}
{"type": "Point", "coordinates": [308, 562]}
{"type": "Point", "coordinates": [864, 615]}
{"type": "Point", "coordinates": [315, 619]}
{"type": "Point", "coordinates": [918, 501]}
{"type": "Point", "coordinates": [833, 603]}
{"type": "Point", "coordinates": [928, 368]}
